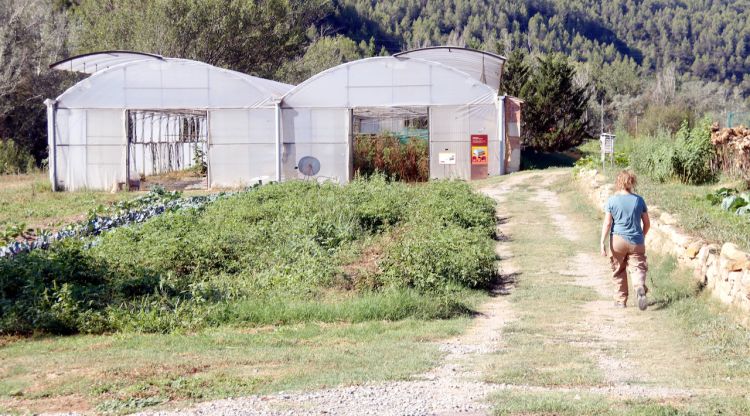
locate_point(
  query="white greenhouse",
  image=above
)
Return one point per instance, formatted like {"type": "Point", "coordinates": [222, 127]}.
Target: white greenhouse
{"type": "Point", "coordinates": [139, 115]}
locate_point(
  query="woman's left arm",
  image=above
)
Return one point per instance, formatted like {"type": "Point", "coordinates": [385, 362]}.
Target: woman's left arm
{"type": "Point", "coordinates": [606, 229]}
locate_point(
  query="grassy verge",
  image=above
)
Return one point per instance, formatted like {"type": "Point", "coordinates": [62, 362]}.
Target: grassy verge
{"type": "Point", "coordinates": [694, 213]}
{"type": "Point", "coordinates": [29, 199]}
{"type": "Point", "coordinates": [124, 373]}
{"type": "Point", "coordinates": [575, 404]}
{"type": "Point", "coordinates": [688, 203]}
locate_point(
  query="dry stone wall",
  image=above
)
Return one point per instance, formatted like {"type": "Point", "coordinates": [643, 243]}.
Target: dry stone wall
{"type": "Point", "coordinates": [724, 270]}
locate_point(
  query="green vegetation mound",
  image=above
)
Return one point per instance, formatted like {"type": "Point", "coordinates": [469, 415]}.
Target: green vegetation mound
{"type": "Point", "coordinates": [281, 253]}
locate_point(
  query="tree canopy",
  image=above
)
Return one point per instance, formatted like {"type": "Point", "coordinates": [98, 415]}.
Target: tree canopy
{"type": "Point", "coordinates": [672, 58]}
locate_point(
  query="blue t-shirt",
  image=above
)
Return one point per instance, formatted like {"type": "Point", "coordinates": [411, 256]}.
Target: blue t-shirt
{"type": "Point", "coordinates": [626, 213]}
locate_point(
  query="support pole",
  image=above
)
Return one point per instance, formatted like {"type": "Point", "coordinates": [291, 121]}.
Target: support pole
{"type": "Point", "coordinates": [277, 124]}
{"type": "Point", "coordinates": [52, 140]}
{"type": "Point", "coordinates": [501, 131]}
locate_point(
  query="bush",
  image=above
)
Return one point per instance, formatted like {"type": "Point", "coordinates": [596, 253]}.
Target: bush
{"type": "Point", "coordinates": [664, 118]}
{"type": "Point", "coordinates": [652, 156]}
{"type": "Point", "coordinates": [446, 241]}
{"type": "Point", "coordinates": [686, 157]}
{"type": "Point", "coordinates": [14, 159]}
{"type": "Point", "coordinates": [274, 244]}
{"type": "Point", "coordinates": [693, 153]}
{"type": "Point", "coordinates": [407, 161]}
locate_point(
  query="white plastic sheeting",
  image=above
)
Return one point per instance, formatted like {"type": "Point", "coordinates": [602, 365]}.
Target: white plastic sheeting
{"type": "Point", "coordinates": [389, 82]}
{"type": "Point", "coordinates": [90, 148]}
{"type": "Point", "coordinates": [242, 148]}
{"type": "Point", "coordinates": [450, 132]}
{"type": "Point", "coordinates": [483, 66]}
{"type": "Point", "coordinates": [258, 130]}
{"type": "Point", "coordinates": [88, 132]}
{"type": "Point", "coordinates": [317, 113]}
{"type": "Point", "coordinates": [322, 133]}
{"type": "Point", "coordinates": [171, 84]}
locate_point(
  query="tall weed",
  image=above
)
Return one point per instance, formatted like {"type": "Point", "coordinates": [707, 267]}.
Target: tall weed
{"type": "Point", "coordinates": [686, 156]}
{"type": "Point", "coordinates": [14, 159]}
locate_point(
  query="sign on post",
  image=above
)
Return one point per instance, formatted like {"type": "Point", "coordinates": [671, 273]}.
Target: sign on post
{"type": "Point", "coordinates": [607, 144]}
{"type": "Point", "coordinates": [479, 156]}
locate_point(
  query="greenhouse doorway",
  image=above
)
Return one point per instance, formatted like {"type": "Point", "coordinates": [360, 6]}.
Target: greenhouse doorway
{"type": "Point", "coordinates": [167, 148]}
{"type": "Point", "coordinates": [393, 141]}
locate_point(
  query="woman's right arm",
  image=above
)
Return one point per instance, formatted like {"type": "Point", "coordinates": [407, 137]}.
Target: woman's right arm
{"type": "Point", "coordinates": [606, 228]}
{"type": "Point", "coordinates": [646, 223]}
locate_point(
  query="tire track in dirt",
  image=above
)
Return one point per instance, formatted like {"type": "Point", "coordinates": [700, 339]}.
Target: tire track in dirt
{"type": "Point", "coordinates": [605, 329]}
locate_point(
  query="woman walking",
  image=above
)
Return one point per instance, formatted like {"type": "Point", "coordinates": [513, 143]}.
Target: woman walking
{"type": "Point", "coordinates": [623, 233]}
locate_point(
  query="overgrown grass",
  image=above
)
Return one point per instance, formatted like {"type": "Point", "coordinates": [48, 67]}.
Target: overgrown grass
{"type": "Point", "coordinates": [279, 253]}
{"type": "Point", "coordinates": [28, 199]}
{"type": "Point", "coordinates": [695, 214]}
{"type": "Point", "coordinates": [127, 372]}
{"type": "Point", "coordinates": [541, 346]}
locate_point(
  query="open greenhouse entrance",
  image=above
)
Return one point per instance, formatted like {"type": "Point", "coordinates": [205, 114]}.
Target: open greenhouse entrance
{"type": "Point", "coordinates": [394, 141]}
{"type": "Point", "coordinates": [167, 148]}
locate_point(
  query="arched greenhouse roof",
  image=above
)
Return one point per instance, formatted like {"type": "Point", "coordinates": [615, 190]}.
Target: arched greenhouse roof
{"type": "Point", "coordinates": [170, 83]}
{"type": "Point", "coordinates": [483, 66]}
{"type": "Point", "coordinates": [389, 82]}
{"type": "Point", "coordinates": [89, 63]}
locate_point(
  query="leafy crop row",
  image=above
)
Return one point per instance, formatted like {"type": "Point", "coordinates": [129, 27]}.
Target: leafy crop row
{"type": "Point", "coordinates": [137, 210]}
{"type": "Point", "coordinates": [731, 200]}
{"type": "Point", "coordinates": [246, 257]}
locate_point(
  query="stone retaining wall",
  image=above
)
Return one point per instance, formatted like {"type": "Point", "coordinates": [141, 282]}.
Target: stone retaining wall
{"type": "Point", "coordinates": [723, 270]}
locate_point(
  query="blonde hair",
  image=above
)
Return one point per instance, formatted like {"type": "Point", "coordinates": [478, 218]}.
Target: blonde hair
{"type": "Point", "coordinates": [626, 181]}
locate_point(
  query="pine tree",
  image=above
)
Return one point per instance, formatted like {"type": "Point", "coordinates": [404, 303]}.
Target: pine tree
{"type": "Point", "coordinates": [515, 74]}
{"type": "Point", "coordinates": [554, 107]}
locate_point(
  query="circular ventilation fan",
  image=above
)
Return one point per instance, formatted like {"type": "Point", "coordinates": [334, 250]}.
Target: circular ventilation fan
{"type": "Point", "coordinates": [309, 166]}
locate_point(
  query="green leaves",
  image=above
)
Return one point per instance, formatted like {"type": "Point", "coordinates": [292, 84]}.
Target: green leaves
{"type": "Point", "coordinates": [731, 200]}
{"type": "Point", "coordinates": [181, 269]}
{"type": "Point", "coordinates": [686, 157]}
{"type": "Point", "coordinates": [553, 113]}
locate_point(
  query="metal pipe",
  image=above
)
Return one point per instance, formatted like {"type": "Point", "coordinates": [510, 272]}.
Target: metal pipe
{"type": "Point", "coordinates": [501, 131]}
{"type": "Point", "coordinates": [277, 119]}
{"type": "Point", "coordinates": [52, 140]}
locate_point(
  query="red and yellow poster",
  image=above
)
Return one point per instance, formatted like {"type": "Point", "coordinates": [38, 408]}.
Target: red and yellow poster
{"type": "Point", "coordinates": [479, 152]}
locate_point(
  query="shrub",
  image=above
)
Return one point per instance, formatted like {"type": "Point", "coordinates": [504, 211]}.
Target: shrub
{"type": "Point", "coordinates": [408, 161]}
{"type": "Point", "coordinates": [277, 243]}
{"type": "Point", "coordinates": [693, 153]}
{"type": "Point", "coordinates": [653, 156]}
{"type": "Point", "coordinates": [686, 157]}
{"type": "Point", "coordinates": [664, 118]}
{"type": "Point", "coordinates": [446, 241]}
{"type": "Point", "coordinates": [427, 258]}
{"type": "Point", "coordinates": [14, 159]}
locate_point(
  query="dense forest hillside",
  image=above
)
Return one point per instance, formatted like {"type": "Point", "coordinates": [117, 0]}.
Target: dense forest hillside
{"type": "Point", "coordinates": [687, 57]}
{"type": "Point", "coordinates": [710, 39]}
